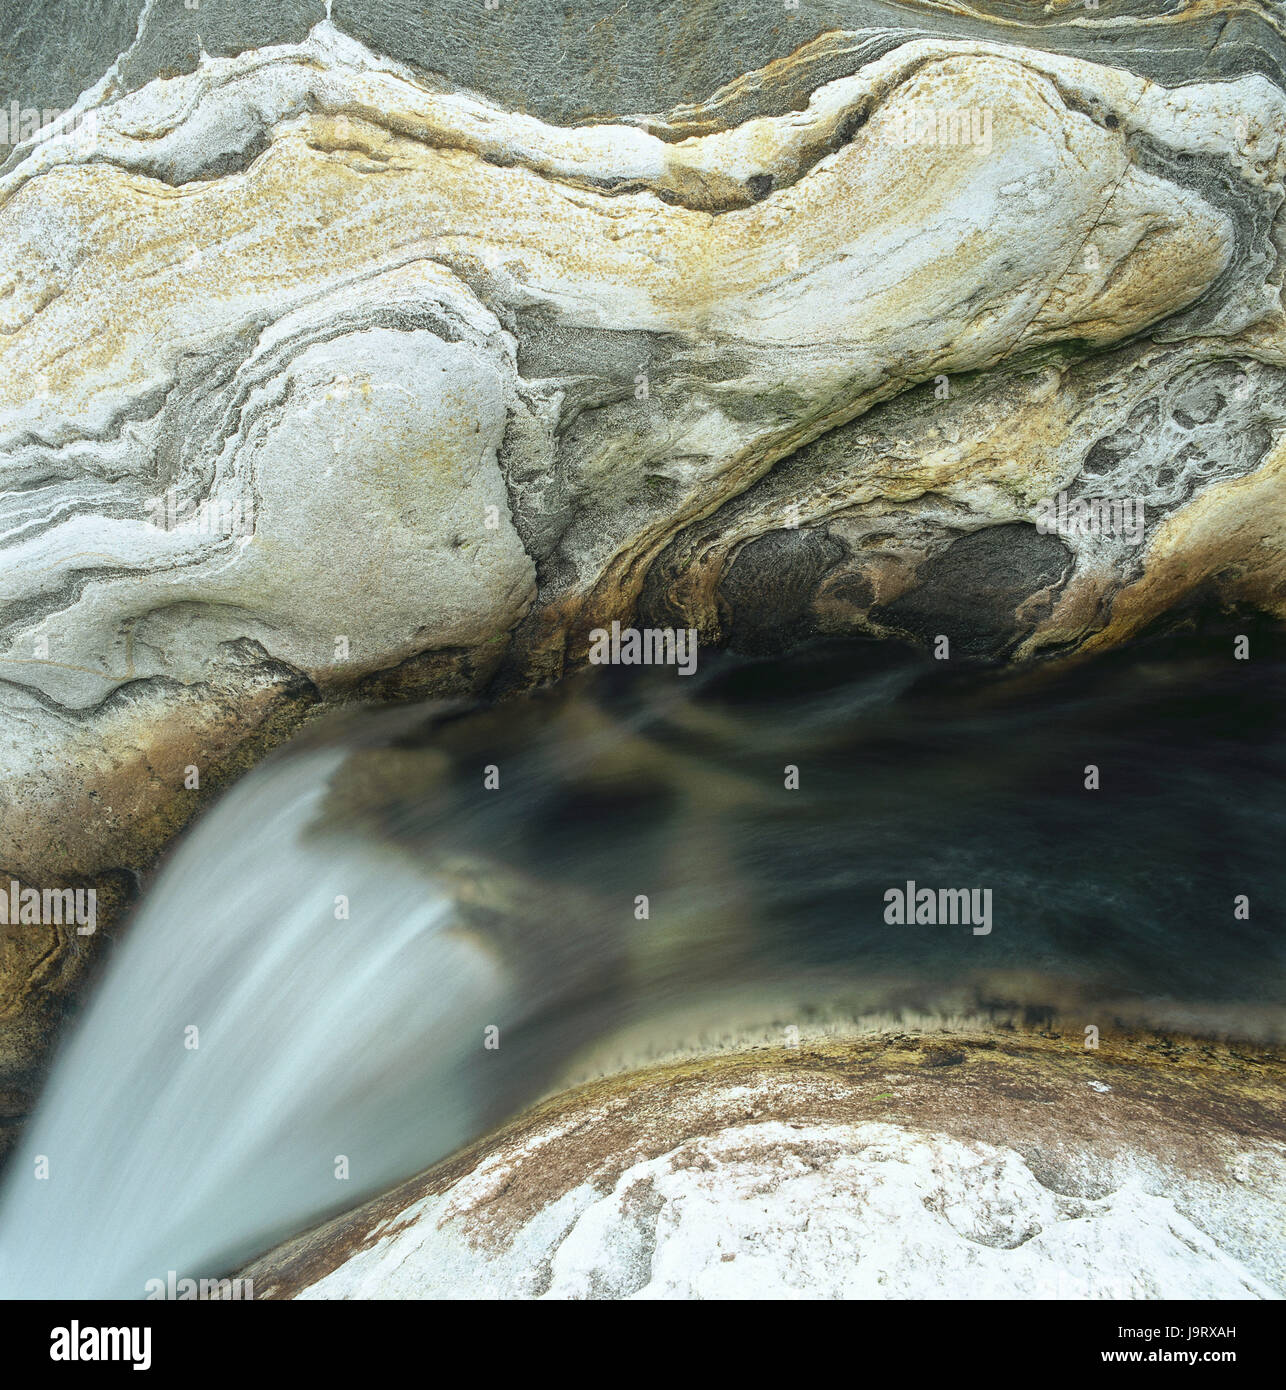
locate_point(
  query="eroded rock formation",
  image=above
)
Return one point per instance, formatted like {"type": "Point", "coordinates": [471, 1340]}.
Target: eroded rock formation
{"type": "Point", "coordinates": [843, 1169]}
{"type": "Point", "coordinates": [325, 376]}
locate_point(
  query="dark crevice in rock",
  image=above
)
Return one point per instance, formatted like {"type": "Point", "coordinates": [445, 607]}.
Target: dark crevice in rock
{"type": "Point", "coordinates": [970, 590]}
{"type": "Point", "coordinates": [769, 587]}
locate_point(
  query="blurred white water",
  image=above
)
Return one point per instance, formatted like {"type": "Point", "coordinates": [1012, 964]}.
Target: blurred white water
{"type": "Point", "coordinates": [318, 1038]}
{"type": "Point", "coordinates": [363, 1037]}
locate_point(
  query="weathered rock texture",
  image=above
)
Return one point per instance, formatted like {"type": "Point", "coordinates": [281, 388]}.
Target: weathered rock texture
{"type": "Point", "coordinates": [941, 1166]}
{"type": "Point", "coordinates": [347, 355]}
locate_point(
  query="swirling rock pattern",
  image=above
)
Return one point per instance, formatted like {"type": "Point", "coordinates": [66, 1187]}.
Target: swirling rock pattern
{"type": "Point", "coordinates": [347, 354]}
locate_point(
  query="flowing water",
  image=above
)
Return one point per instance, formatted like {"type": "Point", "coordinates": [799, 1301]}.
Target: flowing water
{"type": "Point", "coordinates": [411, 923]}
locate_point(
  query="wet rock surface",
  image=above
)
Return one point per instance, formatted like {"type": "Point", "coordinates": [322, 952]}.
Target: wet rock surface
{"type": "Point", "coordinates": [346, 355]}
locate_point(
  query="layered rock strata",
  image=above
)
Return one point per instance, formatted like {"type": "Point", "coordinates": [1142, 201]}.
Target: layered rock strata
{"type": "Point", "coordinates": [335, 367]}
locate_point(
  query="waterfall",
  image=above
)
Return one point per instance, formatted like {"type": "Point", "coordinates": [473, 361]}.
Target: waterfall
{"type": "Point", "coordinates": [306, 1008]}
{"type": "Point", "coordinates": [319, 1039]}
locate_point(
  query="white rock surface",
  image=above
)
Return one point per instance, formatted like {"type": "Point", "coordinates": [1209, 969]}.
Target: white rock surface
{"type": "Point", "coordinates": [776, 1210]}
